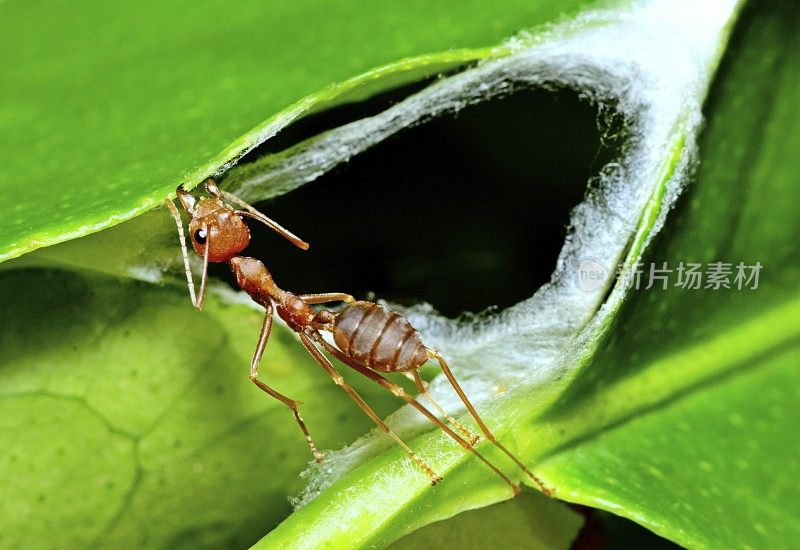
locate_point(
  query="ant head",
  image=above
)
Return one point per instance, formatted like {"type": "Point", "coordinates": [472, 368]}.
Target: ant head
{"type": "Point", "coordinates": [214, 224]}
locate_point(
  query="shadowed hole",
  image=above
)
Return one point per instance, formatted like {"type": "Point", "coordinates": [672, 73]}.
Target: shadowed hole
{"type": "Point", "coordinates": [466, 211]}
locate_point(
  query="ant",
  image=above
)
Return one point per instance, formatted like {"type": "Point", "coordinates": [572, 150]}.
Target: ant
{"type": "Point", "coordinates": [368, 337]}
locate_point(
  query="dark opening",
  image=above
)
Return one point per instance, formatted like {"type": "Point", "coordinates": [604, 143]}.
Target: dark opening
{"type": "Point", "coordinates": [466, 212]}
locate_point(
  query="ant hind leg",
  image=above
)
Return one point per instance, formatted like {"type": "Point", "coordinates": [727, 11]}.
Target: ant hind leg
{"type": "Point", "coordinates": [422, 387]}
{"type": "Point", "coordinates": [400, 392]}
{"type": "Point", "coordinates": [337, 378]}
{"type": "Point", "coordinates": [433, 354]}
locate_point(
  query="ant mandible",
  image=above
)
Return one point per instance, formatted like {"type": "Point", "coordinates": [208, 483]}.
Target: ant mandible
{"type": "Point", "coordinates": [368, 337]}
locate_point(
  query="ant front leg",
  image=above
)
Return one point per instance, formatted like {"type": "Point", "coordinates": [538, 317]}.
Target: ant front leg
{"type": "Point", "coordinates": [291, 403]}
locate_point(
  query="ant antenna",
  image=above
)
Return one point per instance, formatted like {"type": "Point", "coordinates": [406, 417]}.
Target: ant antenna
{"type": "Point", "coordinates": [286, 234]}
{"type": "Point", "coordinates": [176, 215]}
{"type": "Point", "coordinates": [251, 212]}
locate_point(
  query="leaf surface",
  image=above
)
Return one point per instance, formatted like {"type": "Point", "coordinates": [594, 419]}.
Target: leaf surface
{"type": "Point", "coordinates": [128, 417]}
{"type": "Point", "coordinates": [105, 110]}
{"type": "Point", "coordinates": [131, 417]}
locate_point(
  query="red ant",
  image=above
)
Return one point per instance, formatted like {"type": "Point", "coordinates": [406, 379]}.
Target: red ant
{"type": "Point", "coordinates": [369, 338]}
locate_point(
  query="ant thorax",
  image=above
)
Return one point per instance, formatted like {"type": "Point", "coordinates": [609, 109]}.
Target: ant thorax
{"type": "Point", "coordinates": [254, 278]}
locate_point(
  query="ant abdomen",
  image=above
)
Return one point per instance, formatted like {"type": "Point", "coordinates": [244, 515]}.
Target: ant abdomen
{"type": "Point", "coordinates": [378, 338]}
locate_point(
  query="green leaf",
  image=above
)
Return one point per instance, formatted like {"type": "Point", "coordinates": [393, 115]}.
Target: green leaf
{"type": "Point", "coordinates": [128, 417]}
{"type": "Point", "coordinates": [679, 415]}
{"type": "Point", "coordinates": [107, 109]}
{"type": "Point", "coordinates": [389, 501]}
{"type": "Point", "coordinates": [697, 389]}
{"type": "Point", "coordinates": [529, 521]}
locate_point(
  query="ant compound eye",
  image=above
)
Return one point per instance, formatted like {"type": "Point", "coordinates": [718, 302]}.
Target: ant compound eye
{"type": "Point", "coordinates": [200, 236]}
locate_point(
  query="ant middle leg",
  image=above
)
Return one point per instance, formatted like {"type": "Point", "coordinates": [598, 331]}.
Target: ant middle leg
{"type": "Point", "coordinates": [401, 393]}
{"type": "Point", "coordinates": [337, 378]}
{"type": "Point", "coordinates": [433, 354]}
{"type": "Point", "coordinates": [326, 297]}
{"type": "Point", "coordinates": [291, 403]}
